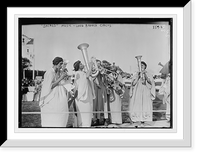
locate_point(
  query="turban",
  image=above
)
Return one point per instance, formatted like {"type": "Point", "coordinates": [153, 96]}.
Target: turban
{"type": "Point", "coordinates": [106, 62]}
{"type": "Point", "coordinates": [76, 65]}
{"type": "Point", "coordinates": [142, 62]}
{"type": "Point", "coordinates": [57, 60]}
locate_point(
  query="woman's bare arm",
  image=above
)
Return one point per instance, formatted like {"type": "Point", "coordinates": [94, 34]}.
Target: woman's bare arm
{"type": "Point", "coordinates": [147, 78]}
{"type": "Point", "coordinates": [54, 84]}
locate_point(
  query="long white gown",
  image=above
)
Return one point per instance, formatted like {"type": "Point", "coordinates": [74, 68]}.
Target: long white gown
{"type": "Point", "coordinates": [165, 90]}
{"type": "Point", "coordinates": [141, 103]}
{"type": "Point", "coordinates": [84, 99]}
{"type": "Point", "coordinates": [53, 102]}
{"type": "Point", "coordinates": [115, 108]}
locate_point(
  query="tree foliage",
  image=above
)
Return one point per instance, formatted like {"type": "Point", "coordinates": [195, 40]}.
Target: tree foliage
{"type": "Point", "coordinates": [26, 63]}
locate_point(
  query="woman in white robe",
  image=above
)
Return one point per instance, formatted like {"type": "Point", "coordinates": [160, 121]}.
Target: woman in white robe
{"type": "Point", "coordinates": [84, 99]}
{"type": "Point", "coordinates": [165, 90]}
{"type": "Point", "coordinates": [142, 96]}
{"type": "Point", "coordinates": [54, 99]}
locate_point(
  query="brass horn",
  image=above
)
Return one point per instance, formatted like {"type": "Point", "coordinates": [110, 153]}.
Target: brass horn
{"type": "Point", "coordinates": [95, 69]}
{"type": "Point", "coordinates": [160, 64]}
{"type": "Point", "coordinates": [139, 62]}
{"type": "Point", "coordinates": [83, 47]}
{"type": "Point", "coordinates": [139, 66]}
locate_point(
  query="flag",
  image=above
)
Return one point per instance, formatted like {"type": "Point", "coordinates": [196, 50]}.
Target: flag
{"type": "Point", "coordinates": [166, 68]}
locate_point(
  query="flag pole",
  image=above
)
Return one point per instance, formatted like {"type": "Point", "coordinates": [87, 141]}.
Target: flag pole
{"type": "Point", "coordinates": [23, 73]}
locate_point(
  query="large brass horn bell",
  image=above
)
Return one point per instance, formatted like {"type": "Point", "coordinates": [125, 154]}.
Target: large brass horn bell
{"type": "Point", "coordinates": [139, 62]}
{"type": "Point", "coordinates": [83, 47]}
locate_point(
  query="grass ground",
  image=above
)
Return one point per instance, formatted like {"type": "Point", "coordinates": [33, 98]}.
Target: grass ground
{"type": "Point", "coordinates": [34, 120]}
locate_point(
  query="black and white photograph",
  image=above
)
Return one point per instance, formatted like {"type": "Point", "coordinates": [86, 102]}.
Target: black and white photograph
{"type": "Point", "coordinates": [81, 77]}
{"type": "Point", "coordinates": [96, 73]}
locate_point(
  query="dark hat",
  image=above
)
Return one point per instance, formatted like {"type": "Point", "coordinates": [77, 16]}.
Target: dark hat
{"type": "Point", "coordinates": [76, 65]}
{"type": "Point", "coordinates": [57, 60]}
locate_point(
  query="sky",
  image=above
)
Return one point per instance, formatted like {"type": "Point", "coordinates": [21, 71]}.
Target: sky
{"type": "Point", "coordinates": [118, 43]}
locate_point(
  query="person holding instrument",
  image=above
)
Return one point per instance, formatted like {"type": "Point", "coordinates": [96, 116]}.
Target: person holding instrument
{"type": "Point", "coordinates": [84, 99]}
{"type": "Point", "coordinates": [54, 100]}
{"type": "Point", "coordinates": [101, 97]}
{"type": "Point", "coordinates": [141, 96]}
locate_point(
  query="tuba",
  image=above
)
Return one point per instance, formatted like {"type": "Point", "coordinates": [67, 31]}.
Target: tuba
{"type": "Point", "coordinates": [83, 47]}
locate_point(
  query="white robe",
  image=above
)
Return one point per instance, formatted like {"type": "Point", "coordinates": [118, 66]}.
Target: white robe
{"type": "Point", "coordinates": [53, 102]}
{"type": "Point", "coordinates": [141, 104]}
{"type": "Point", "coordinates": [84, 99]}
{"type": "Point", "coordinates": [165, 90]}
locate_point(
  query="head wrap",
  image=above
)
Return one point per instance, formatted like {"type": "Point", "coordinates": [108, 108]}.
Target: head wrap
{"type": "Point", "coordinates": [142, 62]}
{"type": "Point", "coordinates": [57, 60]}
{"type": "Point", "coordinates": [98, 60]}
{"type": "Point", "coordinates": [106, 62]}
{"type": "Point", "coordinates": [76, 65]}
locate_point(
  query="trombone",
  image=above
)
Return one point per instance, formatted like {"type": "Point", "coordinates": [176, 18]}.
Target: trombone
{"type": "Point", "coordinates": [99, 68]}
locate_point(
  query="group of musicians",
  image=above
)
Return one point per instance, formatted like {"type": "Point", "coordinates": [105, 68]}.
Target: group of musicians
{"type": "Point", "coordinates": [96, 95]}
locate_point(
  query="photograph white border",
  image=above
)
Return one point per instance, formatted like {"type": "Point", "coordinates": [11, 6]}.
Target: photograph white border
{"type": "Point", "coordinates": [95, 130]}
{"type": "Point", "coordinates": [180, 138]}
